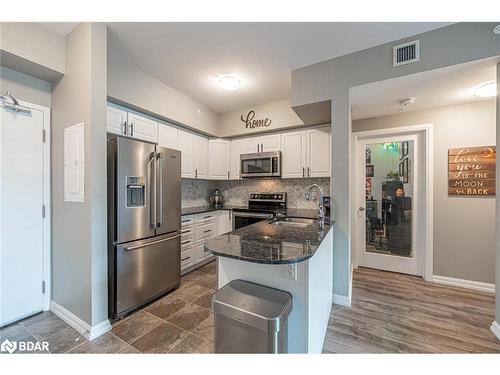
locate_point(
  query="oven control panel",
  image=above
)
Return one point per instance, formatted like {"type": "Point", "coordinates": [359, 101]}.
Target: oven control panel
{"type": "Point", "coordinates": [268, 197]}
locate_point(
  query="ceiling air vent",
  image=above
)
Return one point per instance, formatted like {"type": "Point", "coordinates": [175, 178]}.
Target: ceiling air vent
{"type": "Point", "coordinates": [406, 53]}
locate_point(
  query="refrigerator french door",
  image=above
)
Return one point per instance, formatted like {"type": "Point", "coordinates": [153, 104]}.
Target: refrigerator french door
{"type": "Point", "coordinates": [144, 206]}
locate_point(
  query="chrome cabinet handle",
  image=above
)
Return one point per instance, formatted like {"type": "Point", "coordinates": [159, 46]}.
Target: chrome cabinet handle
{"type": "Point", "coordinates": [308, 172]}
{"type": "Point", "coordinates": [124, 128]}
{"type": "Point", "coordinates": [228, 175]}
{"type": "Point", "coordinates": [185, 242]}
{"type": "Point", "coordinates": [303, 172]}
{"type": "Point", "coordinates": [208, 230]}
{"type": "Point", "coordinates": [131, 129]}
{"type": "Point", "coordinates": [196, 173]}
{"type": "Point", "coordinates": [183, 259]}
{"type": "Point", "coordinates": [262, 147]}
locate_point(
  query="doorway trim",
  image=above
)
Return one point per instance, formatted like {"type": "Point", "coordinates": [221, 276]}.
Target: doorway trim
{"type": "Point", "coordinates": [47, 222]}
{"type": "Point", "coordinates": [428, 160]}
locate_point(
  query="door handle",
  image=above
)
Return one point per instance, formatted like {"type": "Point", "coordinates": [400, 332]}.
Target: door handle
{"type": "Point", "coordinates": [152, 192]}
{"type": "Point", "coordinates": [151, 243]}
{"type": "Point", "coordinates": [361, 209]}
{"type": "Point", "coordinates": [159, 161]}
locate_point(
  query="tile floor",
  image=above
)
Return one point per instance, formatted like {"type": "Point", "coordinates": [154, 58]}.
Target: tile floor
{"type": "Point", "coordinates": [181, 322]}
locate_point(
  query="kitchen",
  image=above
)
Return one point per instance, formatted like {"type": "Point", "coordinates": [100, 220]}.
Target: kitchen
{"type": "Point", "coordinates": [210, 210]}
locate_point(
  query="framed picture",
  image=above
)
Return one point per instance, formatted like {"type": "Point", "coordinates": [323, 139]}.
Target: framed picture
{"type": "Point", "coordinates": [405, 148]}
{"type": "Point", "coordinates": [370, 170]}
{"type": "Point", "coordinates": [368, 186]}
{"type": "Point", "coordinates": [406, 171]}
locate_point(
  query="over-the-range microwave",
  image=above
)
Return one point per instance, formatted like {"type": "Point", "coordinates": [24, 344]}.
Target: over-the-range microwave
{"type": "Point", "coordinates": [262, 164]}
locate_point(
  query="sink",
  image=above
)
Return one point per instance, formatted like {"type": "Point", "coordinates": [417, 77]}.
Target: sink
{"type": "Point", "coordinates": [294, 221]}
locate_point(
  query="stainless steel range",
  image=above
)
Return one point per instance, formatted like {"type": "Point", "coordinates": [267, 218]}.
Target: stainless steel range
{"type": "Point", "coordinates": [261, 206]}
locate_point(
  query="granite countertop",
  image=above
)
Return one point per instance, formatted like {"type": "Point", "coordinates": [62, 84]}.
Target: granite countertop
{"type": "Point", "coordinates": [291, 212]}
{"type": "Point", "coordinates": [268, 243]}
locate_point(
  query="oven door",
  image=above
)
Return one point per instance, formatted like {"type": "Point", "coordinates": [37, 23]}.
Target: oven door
{"type": "Point", "coordinates": [264, 164]}
{"type": "Point", "coordinates": [242, 219]}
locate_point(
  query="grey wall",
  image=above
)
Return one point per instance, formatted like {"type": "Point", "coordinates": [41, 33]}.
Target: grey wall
{"type": "Point", "coordinates": [130, 86]}
{"type": "Point", "coordinates": [464, 228]}
{"type": "Point", "coordinates": [236, 192]}
{"type": "Point", "coordinates": [280, 112]}
{"type": "Point", "coordinates": [331, 80]}
{"type": "Point", "coordinates": [79, 229]}
{"type": "Point", "coordinates": [25, 87]}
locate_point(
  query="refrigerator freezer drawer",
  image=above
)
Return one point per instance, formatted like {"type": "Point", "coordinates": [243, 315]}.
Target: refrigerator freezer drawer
{"type": "Point", "coordinates": [146, 269]}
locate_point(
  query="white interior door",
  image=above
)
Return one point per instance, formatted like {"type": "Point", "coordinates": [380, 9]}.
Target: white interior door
{"type": "Point", "coordinates": [22, 194]}
{"type": "Point", "coordinates": [388, 193]}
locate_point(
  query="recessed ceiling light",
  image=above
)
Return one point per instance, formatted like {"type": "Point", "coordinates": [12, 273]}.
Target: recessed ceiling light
{"type": "Point", "coordinates": [486, 90]}
{"type": "Point", "coordinates": [230, 83]}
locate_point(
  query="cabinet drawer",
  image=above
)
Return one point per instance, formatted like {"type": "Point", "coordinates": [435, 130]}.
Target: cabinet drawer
{"type": "Point", "coordinates": [187, 258]}
{"type": "Point", "coordinates": [204, 231]}
{"type": "Point", "coordinates": [205, 217]}
{"type": "Point", "coordinates": [187, 242]}
{"type": "Point", "coordinates": [187, 232]}
{"type": "Point", "coordinates": [187, 220]}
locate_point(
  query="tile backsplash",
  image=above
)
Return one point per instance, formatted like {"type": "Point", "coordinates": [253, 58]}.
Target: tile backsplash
{"type": "Point", "coordinates": [236, 192]}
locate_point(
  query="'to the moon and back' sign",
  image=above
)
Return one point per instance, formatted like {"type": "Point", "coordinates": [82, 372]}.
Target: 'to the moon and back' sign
{"type": "Point", "coordinates": [251, 122]}
{"type": "Point", "coordinates": [471, 171]}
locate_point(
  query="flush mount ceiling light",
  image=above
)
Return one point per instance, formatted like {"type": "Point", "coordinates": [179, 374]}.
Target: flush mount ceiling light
{"type": "Point", "coordinates": [486, 90]}
{"type": "Point", "coordinates": [404, 103]}
{"type": "Point", "coordinates": [229, 83]}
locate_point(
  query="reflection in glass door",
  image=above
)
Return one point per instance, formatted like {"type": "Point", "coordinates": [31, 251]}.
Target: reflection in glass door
{"type": "Point", "coordinates": [389, 198]}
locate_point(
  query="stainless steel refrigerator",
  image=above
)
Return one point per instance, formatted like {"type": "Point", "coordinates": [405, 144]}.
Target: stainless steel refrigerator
{"type": "Point", "coordinates": [144, 220]}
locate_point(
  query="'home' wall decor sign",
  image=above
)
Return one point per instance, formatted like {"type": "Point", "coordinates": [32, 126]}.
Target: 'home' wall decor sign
{"type": "Point", "coordinates": [471, 171]}
{"type": "Point", "coordinates": [252, 123]}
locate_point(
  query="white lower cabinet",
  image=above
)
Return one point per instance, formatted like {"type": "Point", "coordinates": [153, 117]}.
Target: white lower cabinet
{"type": "Point", "coordinates": [225, 221]}
{"type": "Point", "coordinates": [195, 231]}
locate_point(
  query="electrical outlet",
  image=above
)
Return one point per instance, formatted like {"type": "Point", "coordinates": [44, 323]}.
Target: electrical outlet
{"type": "Point", "coordinates": [291, 271]}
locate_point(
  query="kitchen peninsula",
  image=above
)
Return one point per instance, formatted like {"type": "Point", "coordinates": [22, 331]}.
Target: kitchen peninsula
{"type": "Point", "coordinates": [291, 254]}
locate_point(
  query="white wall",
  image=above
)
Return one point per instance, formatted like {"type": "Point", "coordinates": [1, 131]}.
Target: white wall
{"type": "Point", "coordinates": [464, 229]}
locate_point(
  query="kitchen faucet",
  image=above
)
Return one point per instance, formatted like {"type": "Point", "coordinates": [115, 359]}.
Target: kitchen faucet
{"type": "Point", "coordinates": [321, 208]}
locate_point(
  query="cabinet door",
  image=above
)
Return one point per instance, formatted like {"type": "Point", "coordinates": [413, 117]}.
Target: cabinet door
{"type": "Point", "coordinates": [167, 136]}
{"type": "Point", "coordinates": [219, 153]}
{"type": "Point", "coordinates": [250, 145]}
{"type": "Point", "coordinates": [200, 145]}
{"type": "Point", "coordinates": [319, 152]}
{"type": "Point", "coordinates": [236, 151]}
{"type": "Point", "coordinates": [141, 127]}
{"type": "Point", "coordinates": [201, 253]}
{"type": "Point", "coordinates": [293, 161]}
{"type": "Point", "coordinates": [185, 144]}
{"type": "Point", "coordinates": [270, 143]}
{"type": "Point", "coordinates": [116, 120]}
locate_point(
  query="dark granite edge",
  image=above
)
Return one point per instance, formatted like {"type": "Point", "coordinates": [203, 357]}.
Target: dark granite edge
{"type": "Point", "coordinates": [259, 261]}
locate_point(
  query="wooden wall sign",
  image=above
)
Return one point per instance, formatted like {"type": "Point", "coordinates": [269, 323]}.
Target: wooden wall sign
{"type": "Point", "coordinates": [252, 123]}
{"type": "Point", "coordinates": [471, 171]}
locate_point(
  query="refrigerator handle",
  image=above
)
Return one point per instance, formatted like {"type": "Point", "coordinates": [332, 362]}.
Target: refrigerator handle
{"type": "Point", "coordinates": [159, 218]}
{"type": "Point", "coordinates": [152, 191]}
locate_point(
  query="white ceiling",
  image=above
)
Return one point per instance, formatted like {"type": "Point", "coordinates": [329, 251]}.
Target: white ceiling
{"type": "Point", "coordinates": [61, 28]}
{"type": "Point", "coordinates": [431, 89]}
{"type": "Point", "coordinates": [189, 56]}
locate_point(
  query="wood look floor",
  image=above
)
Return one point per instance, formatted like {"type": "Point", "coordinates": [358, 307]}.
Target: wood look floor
{"type": "Point", "coordinates": [396, 313]}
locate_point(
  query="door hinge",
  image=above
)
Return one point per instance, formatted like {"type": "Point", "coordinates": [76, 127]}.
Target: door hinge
{"type": "Point", "coordinates": [43, 287]}
{"type": "Point", "coordinates": [43, 210]}
{"type": "Point", "coordinates": [43, 135]}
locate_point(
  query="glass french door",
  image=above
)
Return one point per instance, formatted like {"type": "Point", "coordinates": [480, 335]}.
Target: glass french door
{"type": "Point", "coordinates": [387, 196]}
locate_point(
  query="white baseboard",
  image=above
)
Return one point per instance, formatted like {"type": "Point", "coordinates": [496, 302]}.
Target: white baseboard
{"type": "Point", "coordinates": [469, 284]}
{"type": "Point", "coordinates": [341, 300]}
{"type": "Point", "coordinates": [495, 328]}
{"type": "Point", "coordinates": [87, 331]}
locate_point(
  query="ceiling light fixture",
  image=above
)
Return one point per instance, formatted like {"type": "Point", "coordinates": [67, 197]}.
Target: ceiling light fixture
{"type": "Point", "coordinates": [404, 103]}
{"type": "Point", "coordinates": [486, 90]}
{"type": "Point", "coordinates": [230, 83]}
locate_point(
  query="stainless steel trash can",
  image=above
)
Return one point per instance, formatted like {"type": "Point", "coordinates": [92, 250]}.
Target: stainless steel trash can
{"type": "Point", "coordinates": [251, 318]}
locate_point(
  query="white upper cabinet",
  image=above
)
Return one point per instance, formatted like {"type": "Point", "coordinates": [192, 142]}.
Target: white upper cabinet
{"type": "Point", "coordinates": [306, 153]}
{"type": "Point", "coordinates": [123, 122]}
{"type": "Point", "coordinates": [237, 148]}
{"type": "Point", "coordinates": [200, 145]}
{"type": "Point", "coordinates": [293, 160]}
{"type": "Point", "coordinates": [185, 145]}
{"type": "Point", "coordinates": [116, 120]}
{"type": "Point", "coordinates": [319, 152]}
{"type": "Point", "coordinates": [167, 136]}
{"type": "Point", "coordinates": [219, 156]}
{"type": "Point", "coordinates": [142, 127]}
{"type": "Point", "coordinates": [266, 143]}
